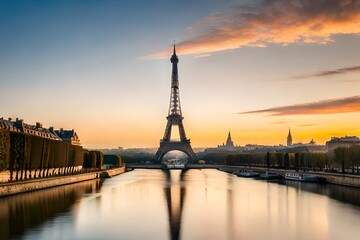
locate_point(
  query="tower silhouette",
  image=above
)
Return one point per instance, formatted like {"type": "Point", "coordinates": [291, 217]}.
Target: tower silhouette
{"type": "Point", "coordinates": [289, 139]}
{"type": "Point", "coordinates": [175, 118]}
{"type": "Point", "coordinates": [229, 142]}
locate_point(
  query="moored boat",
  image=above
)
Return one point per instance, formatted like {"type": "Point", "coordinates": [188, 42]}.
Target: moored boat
{"type": "Point", "coordinates": [175, 166]}
{"type": "Point", "coordinates": [248, 174]}
{"type": "Point", "coordinates": [303, 177]}
{"type": "Point", "coordinates": [270, 176]}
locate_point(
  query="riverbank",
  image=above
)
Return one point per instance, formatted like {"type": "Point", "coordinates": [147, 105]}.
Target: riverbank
{"type": "Point", "coordinates": [334, 178]}
{"type": "Point", "coordinates": [7, 189]}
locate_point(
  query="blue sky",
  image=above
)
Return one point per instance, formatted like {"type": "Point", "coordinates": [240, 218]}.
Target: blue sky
{"type": "Point", "coordinates": [79, 64]}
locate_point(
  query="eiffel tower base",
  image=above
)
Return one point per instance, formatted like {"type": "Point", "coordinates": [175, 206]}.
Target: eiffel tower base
{"type": "Point", "coordinates": [183, 146]}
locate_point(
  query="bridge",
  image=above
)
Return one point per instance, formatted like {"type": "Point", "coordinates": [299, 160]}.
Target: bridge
{"type": "Point", "coordinates": [163, 166]}
{"type": "Point", "coordinates": [224, 168]}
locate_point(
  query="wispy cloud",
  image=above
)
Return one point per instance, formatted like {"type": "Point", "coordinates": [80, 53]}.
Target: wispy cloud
{"type": "Point", "coordinates": [331, 106]}
{"type": "Point", "coordinates": [202, 55]}
{"type": "Point", "coordinates": [328, 73]}
{"type": "Point", "coordinates": [272, 22]}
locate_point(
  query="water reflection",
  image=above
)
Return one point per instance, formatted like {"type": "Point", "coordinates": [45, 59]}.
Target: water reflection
{"type": "Point", "coordinates": [193, 204]}
{"type": "Point", "coordinates": [175, 195]}
{"type": "Point", "coordinates": [345, 194]}
{"type": "Point", "coordinates": [25, 211]}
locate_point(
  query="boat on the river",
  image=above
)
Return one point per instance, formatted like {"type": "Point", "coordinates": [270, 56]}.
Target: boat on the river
{"type": "Point", "coordinates": [304, 177]}
{"type": "Point", "coordinates": [247, 173]}
{"type": "Point", "coordinates": [270, 176]}
{"type": "Point", "coordinates": [175, 166]}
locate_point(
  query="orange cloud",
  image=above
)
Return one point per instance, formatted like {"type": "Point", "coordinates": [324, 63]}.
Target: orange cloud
{"type": "Point", "coordinates": [272, 22]}
{"type": "Point", "coordinates": [332, 106]}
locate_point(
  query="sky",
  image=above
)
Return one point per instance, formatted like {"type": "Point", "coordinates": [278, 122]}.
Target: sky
{"type": "Point", "coordinates": [256, 68]}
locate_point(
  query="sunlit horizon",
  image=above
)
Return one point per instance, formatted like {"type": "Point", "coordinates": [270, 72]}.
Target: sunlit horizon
{"type": "Point", "coordinates": [103, 69]}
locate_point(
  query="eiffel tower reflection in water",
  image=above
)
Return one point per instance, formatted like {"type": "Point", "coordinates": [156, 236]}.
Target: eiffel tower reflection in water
{"type": "Point", "coordinates": [175, 195]}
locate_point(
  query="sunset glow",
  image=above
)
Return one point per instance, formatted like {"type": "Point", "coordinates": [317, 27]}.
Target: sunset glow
{"type": "Point", "coordinates": [256, 68]}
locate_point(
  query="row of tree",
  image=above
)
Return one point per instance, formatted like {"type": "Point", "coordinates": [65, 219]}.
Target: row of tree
{"type": "Point", "coordinates": [281, 160]}
{"type": "Point", "coordinates": [93, 160]}
{"type": "Point", "coordinates": [348, 157]}
{"type": "Point", "coordinates": [113, 160]}
{"type": "Point", "coordinates": [344, 158]}
{"type": "Point", "coordinates": [28, 156]}
{"type": "Point", "coordinates": [4, 149]}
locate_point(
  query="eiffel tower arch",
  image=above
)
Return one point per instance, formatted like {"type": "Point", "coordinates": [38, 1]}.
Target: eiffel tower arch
{"type": "Point", "coordinates": [175, 118]}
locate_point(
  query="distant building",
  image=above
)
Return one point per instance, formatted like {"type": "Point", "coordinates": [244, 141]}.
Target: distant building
{"type": "Point", "coordinates": [19, 126]}
{"type": "Point", "coordinates": [307, 147]}
{"type": "Point", "coordinates": [256, 148]}
{"type": "Point", "coordinates": [291, 147]}
{"type": "Point", "coordinates": [228, 147]}
{"type": "Point", "coordinates": [346, 141]}
{"type": "Point", "coordinates": [289, 139]}
{"type": "Point", "coordinates": [69, 136]}
{"type": "Point", "coordinates": [229, 144]}
{"type": "Point", "coordinates": [38, 130]}
{"type": "Point", "coordinates": [300, 144]}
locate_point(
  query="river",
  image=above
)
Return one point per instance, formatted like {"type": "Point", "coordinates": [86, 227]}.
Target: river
{"type": "Point", "coordinates": [193, 204]}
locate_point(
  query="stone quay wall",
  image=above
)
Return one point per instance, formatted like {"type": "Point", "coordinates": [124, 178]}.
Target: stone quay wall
{"type": "Point", "coordinates": [37, 184]}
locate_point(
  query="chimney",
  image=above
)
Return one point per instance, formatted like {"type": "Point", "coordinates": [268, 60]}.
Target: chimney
{"type": "Point", "coordinates": [38, 125]}
{"type": "Point", "coordinates": [10, 118]}
{"type": "Point", "coordinates": [20, 124]}
{"type": "Point", "coordinates": [51, 129]}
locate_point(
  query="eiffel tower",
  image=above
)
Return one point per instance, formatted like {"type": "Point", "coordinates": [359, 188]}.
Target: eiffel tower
{"type": "Point", "coordinates": [175, 118]}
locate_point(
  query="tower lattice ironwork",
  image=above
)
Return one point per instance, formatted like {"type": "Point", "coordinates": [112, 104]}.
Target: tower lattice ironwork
{"type": "Point", "coordinates": [175, 118]}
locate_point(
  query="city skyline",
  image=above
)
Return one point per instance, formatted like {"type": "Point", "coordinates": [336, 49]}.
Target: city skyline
{"type": "Point", "coordinates": [257, 68]}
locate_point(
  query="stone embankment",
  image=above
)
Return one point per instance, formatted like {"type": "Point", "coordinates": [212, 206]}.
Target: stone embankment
{"type": "Point", "coordinates": [37, 184]}
{"type": "Point", "coordinates": [341, 179]}
{"type": "Point", "coordinates": [112, 172]}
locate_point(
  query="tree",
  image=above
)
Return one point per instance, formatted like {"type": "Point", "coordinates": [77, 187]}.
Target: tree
{"type": "Point", "coordinates": [279, 159]}
{"type": "Point", "coordinates": [99, 160]}
{"type": "Point", "coordinates": [268, 156]}
{"type": "Point", "coordinates": [302, 160]}
{"type": "Point", "coordinates": [93, 159]}
{"type": "Point", "coordinates": [4, 149]}
{"type": "Point", "coordinates": [286, 160]}
{"type": "Point", "coordinates": [354, 155]}
{"type": "Point", "coordinates": [340, 157]}
{"type": "Point", "coordinates": [87, 160]}
{"type": "Point", "coordinates": [229, 160]}
{"type": "Point", "coordinates": [297, 159]}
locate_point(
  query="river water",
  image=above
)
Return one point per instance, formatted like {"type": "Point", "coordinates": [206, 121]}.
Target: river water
{"type": "Point", "coordinates": [193, 204]}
